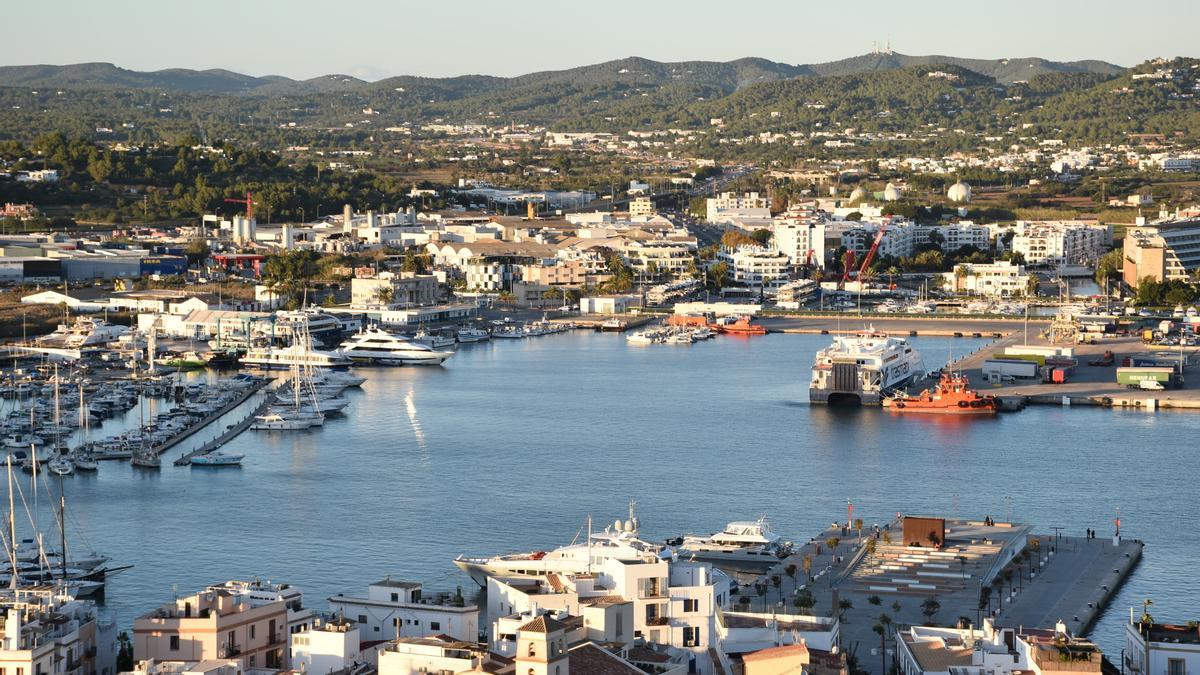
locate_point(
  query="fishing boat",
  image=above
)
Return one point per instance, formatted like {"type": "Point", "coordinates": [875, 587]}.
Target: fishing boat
{"type": "Point", "coordinates": [952, 395]}
{"type": "Point", "coordinates": [434, 340]}
{"type": "Point", "coordinates": [184, 361]}
{"type": "Point", "coordinates": [472, 334]}
{"type": "Point", "coordinates": [614, 325]}
{"type": "Point", "coordinates": [218, 458]}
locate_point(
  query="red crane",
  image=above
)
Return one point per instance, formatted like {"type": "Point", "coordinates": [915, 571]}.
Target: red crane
{"type": "Point", "coordinates": [847, 266]}
{"type": "Point", "coordinates": [248, 201]}
{"type": "Point", "coordinates": [871, 253]}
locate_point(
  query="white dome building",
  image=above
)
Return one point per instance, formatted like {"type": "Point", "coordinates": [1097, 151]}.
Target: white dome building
{"type": "Point", "coordinates": [959, 192]}
{"type": "Point", "coordinates": [891, 193]}
{"type": "Point", "coordinates": [859, 194]}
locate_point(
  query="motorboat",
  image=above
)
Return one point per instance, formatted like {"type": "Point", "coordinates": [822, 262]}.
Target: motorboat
{"type": "Point", "coordinates": [290, 421]}
{"type": "Point", "coordinates": [742, 546]}
{"type": "Point", "coordinates": [620, 541]}
{"type": "Point", "coordinates": [294, 355]}
{"type": "Point", "coordinates": [84, 332]}
{"type": "Point", "coordinates": [218, 458]}
{"type": "Point", "coordinates": [375, 346]}
{"type": "Point", "coordinates": [472, 334]}
{"type": "Point", "coordinates": [952, 395]}
{"type": "Point", "coordinates": [509, 332]}
{"type": "Point", "coordinates": [85, 461]}
{"type": "Point", "coordinates": [434, 340]}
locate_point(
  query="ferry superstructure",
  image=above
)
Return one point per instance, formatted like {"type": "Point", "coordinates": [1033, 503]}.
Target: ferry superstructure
{"type": "Point", "coordinates": [863, 369]}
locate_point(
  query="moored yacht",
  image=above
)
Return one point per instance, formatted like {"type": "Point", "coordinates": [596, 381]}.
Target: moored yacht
{"type": "Point", "coordinates": [743, 545]}
{"type": "Point", "coordinates": [375, 346]}
{"type": "Point", "coordinates": [294, 355]}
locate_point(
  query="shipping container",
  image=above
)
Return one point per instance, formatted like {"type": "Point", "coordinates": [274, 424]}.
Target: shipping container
{"type": "Point", "coordinates": [1132, 376]}
{"type": "Point", "coordinates": [1039, 359]}
{"type": "Point", "coordinates": [1010, 368]}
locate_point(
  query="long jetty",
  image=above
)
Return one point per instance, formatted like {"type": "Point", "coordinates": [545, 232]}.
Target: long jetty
{"type": "Point", "coordinates": [212, 417]}
{"type": "Point", "coordinates": [230, 433]}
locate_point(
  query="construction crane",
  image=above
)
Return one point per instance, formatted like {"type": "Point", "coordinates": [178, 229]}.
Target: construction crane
{"type": "Point", "coordinates": [870, 257]}
{"type": "Point", "coordinates": [248, 201]}
{"type": "Point", "coordinates": [808, 263]}
{"type": "Point", "coordinates": [847, 268]}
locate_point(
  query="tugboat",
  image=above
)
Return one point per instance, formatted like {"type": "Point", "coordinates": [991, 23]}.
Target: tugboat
{"type": "Point", "coordinates": [952, 395]}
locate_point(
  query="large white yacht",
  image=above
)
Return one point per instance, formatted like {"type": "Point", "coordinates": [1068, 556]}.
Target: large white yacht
{"type": "Point", "coordinates": [293, 355]}
{"type": "Point", "coordinates": [744, 545]}
{"type": "Point", "coordinates": [863, 369]}
{"type": "Point", "coordinates": [375, 346]}
{"type": "Point", "coordinates": [83, 332]}
{"type": "Point", "coordinates": [620, 542]}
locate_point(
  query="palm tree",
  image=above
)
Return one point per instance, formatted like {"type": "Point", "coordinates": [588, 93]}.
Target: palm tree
{"type": "Point", "coordinates": [384, 294]}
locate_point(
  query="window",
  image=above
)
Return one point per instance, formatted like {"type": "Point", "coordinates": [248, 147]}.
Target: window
{"type": "Point", "coordinates": [1176, 667]}
{"type": "Point", "coordinates": [532, 650]}
{"type": "Point", "coordinates": [435, 625]}
{"type": "Point", "coordinates": [376, 629]}
{"type": "Point", "coordinates": [691, 605]}
{"type": "Point", "coordinates": [691, 636]}
{"type": "Point", "coordinates": [395, 597]}
{"type": "Point", "coordinates": [362, 618]}
{"type": "Point", "coordinates": [252, 660]}
{"type": "Point", "coordinates": [252, 631]}
{"type": "Point", "coordinates": [173, 647]}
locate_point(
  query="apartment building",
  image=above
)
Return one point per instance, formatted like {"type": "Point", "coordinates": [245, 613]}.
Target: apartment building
{"type": "Point", "coordinates": [1160, 648]}
{"type": "Point", "coordinates": [404, 289]}
{"type": "Point", "coordinates": [729, 206]}
{"type": "Point", "coordinates": [1165, 250]}
{"type": "Point", "coordinates": [1060, 242]}
{"type": "Point", "coordinates": [393, 608]}
{"type": "Point", "coordinates": [247, 621]}
{"type": "Point", "coordinates": [801, 239]}
{"type": "Point", "coordinates": [47, 632]}
{"type": "Point", "coordinates": [757, 266]}
{"type": "Point", "coordinates": [992, 650]}
{"type": "Point", "coordinates": [999, 279]}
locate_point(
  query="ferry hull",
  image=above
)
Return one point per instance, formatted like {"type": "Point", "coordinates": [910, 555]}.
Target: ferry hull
{"type": "Point", "coordinates": [864, 398]}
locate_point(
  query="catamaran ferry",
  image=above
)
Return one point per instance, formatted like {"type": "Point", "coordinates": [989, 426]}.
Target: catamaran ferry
{"type": "Point", "coordinates": [863, 369]}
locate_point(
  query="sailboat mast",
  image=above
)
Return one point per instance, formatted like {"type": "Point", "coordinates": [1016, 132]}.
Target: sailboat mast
{"type": "Point", "coordinates": [62, 525]}
{"type": "Point", "coordinates": [12, 527]}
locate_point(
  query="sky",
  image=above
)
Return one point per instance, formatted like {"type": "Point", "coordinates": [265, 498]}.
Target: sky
{"type": "Point", "coordinates": [376, 39]}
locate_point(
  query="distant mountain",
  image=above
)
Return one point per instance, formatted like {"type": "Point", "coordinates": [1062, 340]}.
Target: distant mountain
{"type": "Point", "coordinates": [629, 72]}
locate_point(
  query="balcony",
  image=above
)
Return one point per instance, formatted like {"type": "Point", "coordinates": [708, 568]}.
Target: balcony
{"type": "Point", "coordinates": [228, 651]}
{"type": "Point", "coordinates": [276, 638]}
{"type": "Point", "coordinates": [658, 621]}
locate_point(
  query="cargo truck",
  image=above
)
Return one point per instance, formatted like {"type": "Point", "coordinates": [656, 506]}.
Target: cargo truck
{"type": "Point", "coordinates": [1010, 368]}
{"type": "Point", "coordinates": [1133, 377]}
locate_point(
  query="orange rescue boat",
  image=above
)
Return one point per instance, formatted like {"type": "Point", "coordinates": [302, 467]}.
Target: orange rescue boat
{"type": "Point", "coordinates": [952, 395]}
{"type": "Point", "coordinates": [741, 326]}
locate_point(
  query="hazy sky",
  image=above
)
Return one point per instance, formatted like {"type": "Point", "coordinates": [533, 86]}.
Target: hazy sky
{"type": "Point", "coordinates": [306, 38]}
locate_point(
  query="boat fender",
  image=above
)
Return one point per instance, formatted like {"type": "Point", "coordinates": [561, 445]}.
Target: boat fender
{"type": "Point", "coordinates": [962, 404]}
{"type": "Point", "coordinates": [899, 404]}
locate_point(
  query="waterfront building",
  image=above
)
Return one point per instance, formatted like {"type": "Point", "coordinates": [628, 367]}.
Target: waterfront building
{"type": "Point", "coordinates": [1060, 242]}
{"type": "Point", "coordinates": [1160, 648]}
{"type": "Point", "coordinates": [1165, 250]}
{"type": "Point", "coordinates": [673, 603]}
{"type": "Point", "coordinates": [608, 304]}
{"type": "Point", "coordinates": [994, 650]}
{"type": "Point", "coordinates": [208, 667]}
{"type": "Point", "coordinates": [394, 608]}
{"type": "Point", "coordinates": [1000, 279]}
{"type": "Point", "coordinates": [729, 206]}
{"type": "Point", "coordinates": [756, 266]}
{"type": "Point", "coordinates": [246, 621]}
{"type": "Point", "coordinates": [46, 631]}
{"type": "Point", "coordinates": [665, 256]}
{"type": "Point", "coordinates": [405, 289]}
{"type": "Point", "coordinates": [800, 235]}
{"type": "Point", "coordinates": [326, 646]}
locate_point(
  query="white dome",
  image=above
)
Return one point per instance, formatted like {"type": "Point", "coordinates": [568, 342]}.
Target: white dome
{"type": "Point", "coordinates": [859, 194]}
{"type": "Point", "coordinates": [959, 192]}
{"type": "Point", "coordinates": [891, 193]}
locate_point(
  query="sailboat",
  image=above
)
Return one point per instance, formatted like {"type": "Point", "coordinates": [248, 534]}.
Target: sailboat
{"type": "Point", "coordinates": [304, 411]}
{"type": "Point", "coordinates": [144, 457]}
{"type": "Point", "coordinates": [83, 457]}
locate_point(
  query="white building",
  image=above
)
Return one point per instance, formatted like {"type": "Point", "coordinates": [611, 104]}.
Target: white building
{"type": "Point", "coordinates": [325, 647]}
{"type": "Point", "coordinates": [802, 240]}
{"type": "Point", "coordinates": [641, 206]}
{"type": "Point", "coordinates": [998, 279]}
{"type": "Point", "coordinates": [729, 206]}
{"type": "Point", "coordinates": [757, 266]}
{"type": "Point", "coordinates": [1059, 242]}
{"type": "Point", "coordinates": [953, 236]}
{"type": "Point", "coordinates": [394, 608]}
{"type": "Point", "coordinates": [922, 650]}
{"type": "Point", "coordinates": [1161, 649]}
{"type": "Point", "coordinates": [608, 304]}
{"type": "Point", "coordinates": [664, 256]}
{"type": "Point", "coordinates": [49, 633]}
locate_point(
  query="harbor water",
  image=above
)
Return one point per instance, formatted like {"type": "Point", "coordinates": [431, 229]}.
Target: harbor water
{"type": "Point", "coordinates": [513, 443]}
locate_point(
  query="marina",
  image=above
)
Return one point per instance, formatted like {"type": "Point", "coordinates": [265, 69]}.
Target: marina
{"type": "Point", "coordinates": [412, 426]}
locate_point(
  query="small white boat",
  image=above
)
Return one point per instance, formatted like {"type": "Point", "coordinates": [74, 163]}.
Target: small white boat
{"type": "Point", "coordinates": [472, 334]}
{"type": "Point", "coordinates": [641, 338]}
{"type": "Point", "coordinates": [84, 461]}
{"type": "Point", "coordinates": [509, 332]}
{"type": "Point", "coordinates": [434, 340]}
{"type": "Point", "coordinates": [218, 458]}
{"type": "Point", "coordinates": [680, 339]}
{"type": "Point", "coordinates": [293, 421]}
{"type": "Point", "coordinates": [61, 466]}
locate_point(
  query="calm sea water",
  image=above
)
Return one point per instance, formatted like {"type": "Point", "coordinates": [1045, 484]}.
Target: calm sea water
{"type": "Point", "coordinates": [513, 443]}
